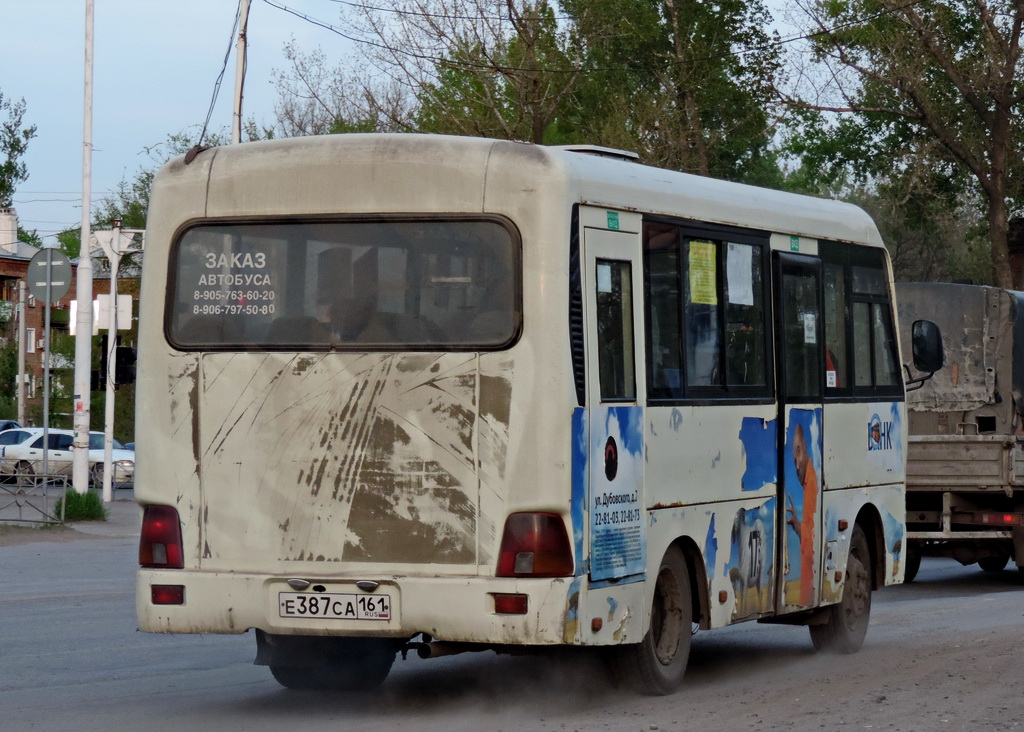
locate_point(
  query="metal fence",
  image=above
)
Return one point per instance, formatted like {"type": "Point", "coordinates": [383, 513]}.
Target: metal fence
{"type": "Point", "coordinates": [32, 498]}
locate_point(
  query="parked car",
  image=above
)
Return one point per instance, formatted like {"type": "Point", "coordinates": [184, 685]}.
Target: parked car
{"type": "Point", "coordinates": [8, 424]}
{"type": "Point", "coordinates": [21, 452]}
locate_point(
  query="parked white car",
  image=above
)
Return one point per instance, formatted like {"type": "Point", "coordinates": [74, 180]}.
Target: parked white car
{"type": "Point", "coordinates": [21, 452]}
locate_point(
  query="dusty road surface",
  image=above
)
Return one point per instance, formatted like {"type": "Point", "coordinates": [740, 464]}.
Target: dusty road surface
{"type": "Point", "coordinates": [943, 653]}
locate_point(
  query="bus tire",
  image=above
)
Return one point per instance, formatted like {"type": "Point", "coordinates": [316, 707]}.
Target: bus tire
{"type": "Point", "coordinates": [656, 665]}
{"type": "Point", "coordinates": [847, 622]}
{"type": "Point", "coordinates": [355, 664]}
{"type": "Point", "coordinates": [913, 564]}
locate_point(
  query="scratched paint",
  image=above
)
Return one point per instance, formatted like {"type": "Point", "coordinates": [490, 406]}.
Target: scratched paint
{"type": "Point", "coordinates": [759, 438]}
{"type": "Point", "coordinates": [380, 460]}
{"type": "Point", "coordinates": [750, 568]}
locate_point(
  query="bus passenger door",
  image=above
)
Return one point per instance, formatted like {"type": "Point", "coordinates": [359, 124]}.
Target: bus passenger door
{"type": "Point", "coordinates": [613, 290]}
{"type": "Point", "coordinates": [799, 344]}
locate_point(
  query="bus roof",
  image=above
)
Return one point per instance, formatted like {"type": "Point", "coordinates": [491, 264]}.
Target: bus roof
{"type": "Point", "coordinates": [304, 175]}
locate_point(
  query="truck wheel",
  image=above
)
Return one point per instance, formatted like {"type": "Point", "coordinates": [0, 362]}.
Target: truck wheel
{"type": "Point", "coordinates": [358, 664]}
{"type": "Point", "coordinates": [913, 564]}
{"type": "Point", "coordinates": [656, 665]}
{"type": "Point", "coordinates": [847, 622]}
{"type": "Point", "coordinates": [994, 563]}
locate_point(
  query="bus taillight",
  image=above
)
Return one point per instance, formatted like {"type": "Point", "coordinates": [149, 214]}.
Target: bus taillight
{"type": "Point", "coordinates": [535, 545]}
{"type": "Point", "coordinates": [160, 545]}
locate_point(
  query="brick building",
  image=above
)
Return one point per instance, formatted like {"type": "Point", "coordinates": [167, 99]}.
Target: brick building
{"type": "Point", "coordinates": [14, 260]}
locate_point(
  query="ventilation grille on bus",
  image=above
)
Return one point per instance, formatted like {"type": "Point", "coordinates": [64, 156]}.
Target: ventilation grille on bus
{"type": "Point", "coordinates": [576, 310]}
{"type": "Point", "coordinates": [604, 152]}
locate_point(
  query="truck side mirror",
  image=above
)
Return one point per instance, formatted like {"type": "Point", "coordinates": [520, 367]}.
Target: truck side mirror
{"type": "Point", "coordinates": [927, 346]}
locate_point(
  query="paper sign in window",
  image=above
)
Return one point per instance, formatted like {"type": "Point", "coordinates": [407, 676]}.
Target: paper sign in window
{"type": "Point", "coordinates": [810, 328]}
{"type": "Point", "coordinates": [703, 287]}
{"type": "Point", "coordinates": [739, 261]}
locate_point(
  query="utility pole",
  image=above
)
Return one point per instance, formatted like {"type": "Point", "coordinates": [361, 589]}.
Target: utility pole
{"type": "Point", "coordinates": [240, 57]}
{"type": "Point", "coordinates": [114, 247]}
{"type": "Point", "coordinates": [22, 332]}
{"type": "Point", "coordinates": [83, 335]}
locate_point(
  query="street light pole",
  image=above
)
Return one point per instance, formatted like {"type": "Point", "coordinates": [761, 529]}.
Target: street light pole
{"type": "Point", "coordinates": [241, 47]}
{"type": "Point", "coordinates": [83, 334]}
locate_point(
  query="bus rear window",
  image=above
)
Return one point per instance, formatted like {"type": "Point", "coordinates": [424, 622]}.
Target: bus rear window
{"type": "Point", "coordinates": [357, 285]}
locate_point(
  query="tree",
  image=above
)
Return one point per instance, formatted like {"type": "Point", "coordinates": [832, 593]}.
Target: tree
{"type": "Point", "coordinates": [494, 68]}
{"type": "Point", "coordinates": [14, 139]}
{"type": "Point", "coordinates": [687, 84]}
{"type": "Point", "coordinates": [939, 79]}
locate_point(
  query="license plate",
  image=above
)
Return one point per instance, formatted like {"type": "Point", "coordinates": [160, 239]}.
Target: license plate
{"type": "Point", "coordinates": [334, 606]}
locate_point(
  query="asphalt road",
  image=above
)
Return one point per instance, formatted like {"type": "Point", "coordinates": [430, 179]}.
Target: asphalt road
{"type": "Point", "coordinates": [941, 653]}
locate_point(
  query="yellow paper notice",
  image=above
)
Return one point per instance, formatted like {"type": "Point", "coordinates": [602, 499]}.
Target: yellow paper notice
{"type": "Point", "coordinates": [703, 287]}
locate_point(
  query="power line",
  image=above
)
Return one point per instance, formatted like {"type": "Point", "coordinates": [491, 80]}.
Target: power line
{"type": "Point", "coordinates": [220, 76]}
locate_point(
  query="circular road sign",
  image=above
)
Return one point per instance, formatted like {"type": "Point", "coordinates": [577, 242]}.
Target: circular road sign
{"type": "Point", "coordinates": [49, 267]}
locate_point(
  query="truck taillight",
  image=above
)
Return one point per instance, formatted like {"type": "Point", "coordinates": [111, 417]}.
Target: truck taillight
{"type": "Point", "coordinates": [535, 545]}
{"type": "Point", "coordinates": [997, 519]}
{"type": "Point", "coordinates": [160, 545]}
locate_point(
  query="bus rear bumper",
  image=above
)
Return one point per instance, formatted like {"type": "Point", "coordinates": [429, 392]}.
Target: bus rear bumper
{"type": "Point", "coordinates": [457, 609]}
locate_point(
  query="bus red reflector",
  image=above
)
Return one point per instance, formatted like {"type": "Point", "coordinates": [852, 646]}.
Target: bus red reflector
{"type": "Point", "coordinates": [535, 545]}
{"type": "Point", "coordinates": [160, 545]}
{"type": "Point", "coordinates": [167, 594]}
{"type": "Point", "coordinates": [998, 519]}
{"type": "Point", "coordinates": [508, 603]}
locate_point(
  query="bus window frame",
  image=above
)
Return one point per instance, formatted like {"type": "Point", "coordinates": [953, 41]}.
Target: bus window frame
{"type": "Point", "coordinates": [725, 393]}
{"type": "Point", "coordinates": [172, 282]}
{"type": "Point", "coordinates": [848, 255]}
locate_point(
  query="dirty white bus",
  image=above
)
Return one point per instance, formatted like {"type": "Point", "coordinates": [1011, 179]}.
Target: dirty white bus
{"type": "Point", "coordinates": [421, 392]}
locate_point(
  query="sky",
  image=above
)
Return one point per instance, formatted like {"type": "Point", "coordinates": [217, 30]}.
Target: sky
{"type": "Point", "coordinates": [155, 64]}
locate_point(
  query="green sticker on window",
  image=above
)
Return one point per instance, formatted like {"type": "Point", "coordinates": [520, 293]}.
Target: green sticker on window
{"type": "Point", "coordinates": [613, 220]}
{"type": "Point", "coordinates": [794, 243]}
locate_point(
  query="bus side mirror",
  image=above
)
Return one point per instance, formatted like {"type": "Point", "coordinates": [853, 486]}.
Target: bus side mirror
{"type": "Point", "coordinates": [927, 346]}
{"type": "Point", "coordinates": [926, 342]}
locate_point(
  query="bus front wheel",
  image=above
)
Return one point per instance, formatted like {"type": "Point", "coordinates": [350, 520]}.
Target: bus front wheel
{"type": "Point", "coordinates": [656, 665]}
{"type": "Point", "coordinates": [847, 623]}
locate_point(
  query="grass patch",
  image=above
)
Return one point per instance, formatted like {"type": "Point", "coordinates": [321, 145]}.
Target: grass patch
{"type": "Point", "coordinates": [86, 506]}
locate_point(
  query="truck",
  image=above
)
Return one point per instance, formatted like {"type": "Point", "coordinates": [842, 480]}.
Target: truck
{"type": "Point", "coordinates": [965, 450]}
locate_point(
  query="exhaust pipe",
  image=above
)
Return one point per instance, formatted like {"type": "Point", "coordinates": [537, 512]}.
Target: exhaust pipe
{"type": "Point", "coordinates": [437, 649]}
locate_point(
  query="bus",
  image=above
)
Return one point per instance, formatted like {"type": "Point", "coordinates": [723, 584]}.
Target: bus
{"type": "Point", "coordinates": [414, 392]}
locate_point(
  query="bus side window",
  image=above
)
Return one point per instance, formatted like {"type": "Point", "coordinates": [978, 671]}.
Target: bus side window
{"type": "Point", "coordinates": [836, 371]}
{"type": "Point", "coordinates": [744, 316]}
{"type": "Point", "coordinates": [615, 330]}
{"type": "Point", "coordinates": [874, 344]}
{"type": "Point", "coordinates": [860, 354]}
{"type": "Point", "coordinates": [663, 299]}
{"type": "Point", "coordinates": [702, 329]}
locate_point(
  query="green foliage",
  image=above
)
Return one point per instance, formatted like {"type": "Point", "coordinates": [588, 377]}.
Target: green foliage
{"type": "Point", "coordinates": [511, 87]}
{"type": "Point", "coordinates": [14, 139]}
{"type": "Point", "coordinates": [933, 90]}
{"type": "Point", "coordinates": [665, 81]}
{"type": "Point", "coordinates": [8, 373]}
{"type": "Point", "coordinates": [30, 237]}
{"type": "Point", "coordinates": [76, 506]}
{"type": "Point", "coordinates": [69, 241]}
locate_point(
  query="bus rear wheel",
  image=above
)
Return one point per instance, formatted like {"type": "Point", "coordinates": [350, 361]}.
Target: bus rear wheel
{"type": "Point", "coordinates": [656, 665]}
{"type": "Point", "coordinates": [847, 622]}
{"type": "Point", "coordinates": [350, 664]}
